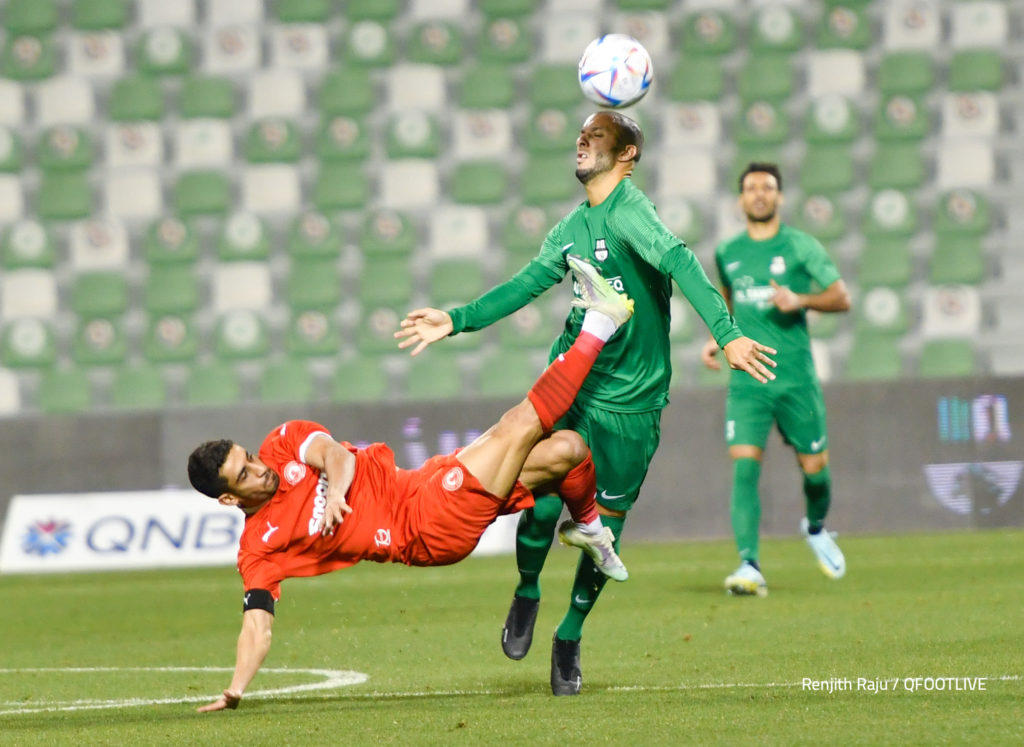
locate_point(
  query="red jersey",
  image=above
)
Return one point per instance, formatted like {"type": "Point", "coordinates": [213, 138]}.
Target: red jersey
{"type": "Point", "coordinates": [430, 516]}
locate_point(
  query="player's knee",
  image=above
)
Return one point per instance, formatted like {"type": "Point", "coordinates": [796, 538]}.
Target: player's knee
{"type": "Point", "coordinates": [568, 449]}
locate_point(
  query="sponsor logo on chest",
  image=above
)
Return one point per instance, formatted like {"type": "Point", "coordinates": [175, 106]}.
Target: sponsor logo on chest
{"type": "Point", "coordinates": [778, 266]}
{"type": "Point", "coordinates": [319, 506]}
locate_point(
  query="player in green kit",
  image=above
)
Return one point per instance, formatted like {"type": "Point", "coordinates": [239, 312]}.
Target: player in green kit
{"type": "Point", "coordinates": [618, 410]}
{"type": "Point", "coordinates": [767, 273]}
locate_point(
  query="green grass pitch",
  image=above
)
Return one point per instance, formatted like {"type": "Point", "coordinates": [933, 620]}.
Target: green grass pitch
{"type": "Point", "coordinates": [668, 657]}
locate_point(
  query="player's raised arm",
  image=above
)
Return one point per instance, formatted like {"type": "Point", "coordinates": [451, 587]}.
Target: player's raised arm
{"type": "Point", "coordinates": [253, 646]}
{"type": "Point", "coordinates": [421, 327]}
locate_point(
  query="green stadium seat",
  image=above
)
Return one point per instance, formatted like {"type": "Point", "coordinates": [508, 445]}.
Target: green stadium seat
{"type": "Point", "coordinates": [963, 211]}
{"type": "Point", "coordinates": [303, 11]}
{"type": "Point", "coordinates": [896, 166]}
{"type": "Point", "coordinates": [170, 338]}
{"type": "Point", "coordinates": [288, 381]}
{"type": "Point", "coordinates": [533, 327]}
{"type": "Point", "coordinates": [368, 43]}
{"type": "Point", "coordinates": [884, 261]}
{"type": "Point", "coordinates": [349, 90]}
{"type": "Point", "coordinates": [207, 96]}
{"type": "Point", "coordinates": [822, 326]}
{"type": "Point", "coordinates": [378, 10]}
{"type": "Point", "coordinates": [762, 123]}
{"type": "Point", "coordinates": [376, 328]}
{"type": "Point", "coordinates": [488, 86]}
{"type": "Point", "coordinates": [242, 334]}
{"type": "Point", "coordinates": [313, 283]}
{"type": "Point", "coordinates": [386, 280]}
{"type": "Point", "coordinates": [136, 97]}
{"type": "Point", "coordinates": [244, 237]}
{"type": "Point", "coordinates": [386, 232]}
{"type": "Point", "coordinates": [708, 32]}
{"type": "Point", "coordinates": [505, 40]}
{"type": "Point", "coordinates": [455, 281]}
{"type": "Point", "coordinates": [976, 70]}
{"type": "Point", "coordinates": [314, 234]}
{"type": "Point", "coordinates": [95, 15]}
{"type": "Point", "coordinates": [436, 42]}
{"type": "Point", "coordinates": [827, 169]}
{"type": "Point", "coordinates": [170, 240]}
{"type": "Point", "coordinates": [171, 289]}
{"type": "Point", "coordinates": [957, 259]}
{"type": "Point", "coordinates": [768, 77]}
{"type": "Point", "coordinates": [822, 216]}
{"type": "Point", "coordinates": [312, 332]}
{"type": "Point", "coordinates": [684, 218]}
{"type": "Point", "coordinates": [139, 388]}
{"type": "Point", "coordinates": [902, 117]}
{"type": "Point", "coordinates": [164, 51]}
{"type": "Point", "coordinates": [212, 384]}
{"type": "Point", "coordinates": [10, 151]}
{"type": "Point", "coordinates": [99, 294]}
{"type": "Point", "coordinates": [99, 342]}
{"type": "Point", "coordinates": [479, 182]}
{"type": "Point", "coordinates": [30, 16]}
{"type": "Point", "coordinates": [433, 375]}
{"type": "Point", "coordinates": [341, 137]}
{"type": "Point", "coordinates": [202, 193]}
{"type": "Point", "coordinates": [845, 26]}
{"type": "Point", "coordinates": [361, 379]}
{"type": "Point", "coordinates": [696, 79]}
{"type": "Point", "coordinates": [28, 343]}
{"type": "Point", "coordinates": [906, 72]}
{"type": "Point", "coordinates": [551, 130]}
{"type": "Point", "coordinates": [833, 119]}
{"type": "Point", "coordinates": [546, 180]}
{"type": "Point", "coordinates": [64, 391]}
{"type": "Point", "coordinates": [27, 243]}
{"type": "Point", "coordinates": [554, 86]}
{"type": "Point", "coordinates": [28, 57]}
{"type": "Point", "coordinates": [947, 359]}
{"type": "Point", "coordinates": [341, 186]}
{"type": "Point", "coordinates": [273, 141]}
{"type": "Point", "coordinates": [65, 148]}
{"type": "Point", "coordinates": [516, 8]}
{"type": "Point", "coordinates": [64, 196]}
{"type": "Point", "coordinates": [882, 311]}
{"type": "Point", "coordinates": [874, 358]}
{"type": "Point", "coordinates": [524, 230]}
{"type": "Point", "coordinates": [508, 373]}
{"type": "Point", "coordinates": [413, 134]}
{"type": "Point", "coordinates": [890, 212]}
{"type": "Point", "coordinates": [776, 29]}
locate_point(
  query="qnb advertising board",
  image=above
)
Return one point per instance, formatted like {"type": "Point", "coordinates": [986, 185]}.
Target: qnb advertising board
{"type": "Point", "coordinates": [117, 531]}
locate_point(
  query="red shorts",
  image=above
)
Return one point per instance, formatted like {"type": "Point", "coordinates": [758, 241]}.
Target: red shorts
{"type": "Point", "coordinates": [447, 509]}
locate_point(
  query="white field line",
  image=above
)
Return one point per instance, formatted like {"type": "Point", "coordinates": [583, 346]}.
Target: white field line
{"type": "Point", "coordinates": [333, 679]}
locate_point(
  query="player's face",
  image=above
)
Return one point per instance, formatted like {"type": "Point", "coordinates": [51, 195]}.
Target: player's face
{"type": "Point", "coordinates": [595, 148]}
{"type": "Point", "coordinates": [760, 196]}
{"type": "Point", "coordinates": [248, 479]}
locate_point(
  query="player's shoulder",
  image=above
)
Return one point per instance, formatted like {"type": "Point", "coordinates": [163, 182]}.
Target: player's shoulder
{"type": "Point", "coordinates": [728, 243]}
{"type": "Point", "coordinates": [800, 240]}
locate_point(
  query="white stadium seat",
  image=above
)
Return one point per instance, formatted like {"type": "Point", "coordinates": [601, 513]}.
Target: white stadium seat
{"type": "Point", "coordinates": [450, 10]}
{"type": "Point", "coordinates": [481, 134]}
{"type": "Point", "coordinates": [950, 311]}
{"type": "Point", "coordinates": [134, 193]}
{"type": "Point", "coordinates": [241, 285]}
{"type": "Point", "coordinates": [911, 25]}
{"type": "Point", "coordinates": [276, 93]}
{"type": "Point", "coordinates": [299, 46]}
{"type": "Point", "coordinates": [154, 13]}
{"type": "Point", "coordinates": [273, 188]}
{"type": "Point", "coordinates": [199, 143]}
{"type": "Point", "coordinates": [231, 49]}
{"type": "Point", "coordinates": [458, 231]}
{"type": "Point", "coordinates": [416, 87]}
{"type": "Point", "coordinates": [12, 201]}
{"type": "Point", "coordinates": [409, 183]}
{"type": "Point", "coordinates": [565, 35]}
{"type": "Point", "coordinates": [225, 12]}
{"type": "Point", "coordinates": [978, 24]}
{"type": "Point", "coordinates": [696, 123]}
{"type": "Point", "coordinates": [973, 114]}
{"type": "Point", "coordinates": [64, 100]}
{"type": "Point", "coordinates": [28, 293]}
{"type": "Point", "coordinates": [98, 244]}
{"type": "Point", "coordinates": [134, 144]}
{"type": "Point", "coordinates": [965, 163]}
{"type": "Point", "coordinates": [687, 172]}
{"type": "Point", "coordinates": [96, 54]}
{"type": "Point", "coordinates": [835, 71]}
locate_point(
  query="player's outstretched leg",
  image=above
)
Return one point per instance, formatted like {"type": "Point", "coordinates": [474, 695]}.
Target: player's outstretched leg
{"type": "Point", "coordinates": [599, 547]}
{"type": "Point", "coordinates": [823, 544]}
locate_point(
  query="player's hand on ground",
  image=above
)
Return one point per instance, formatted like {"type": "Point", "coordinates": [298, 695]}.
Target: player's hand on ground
{"type": "Point", "coordinates": [334, 514]}
{"type": "Point", "coordinates": [227, 701]}
{"type": "Point", "coordinates": [709, 355]}
{"type": "Point", "coordinates": [784, 299]}
{"type": "Point", "coordinates": [751, 356]}
{"type": "Point", "coordinates": [422, 327]}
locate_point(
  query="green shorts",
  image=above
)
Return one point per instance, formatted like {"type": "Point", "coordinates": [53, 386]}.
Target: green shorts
{"type": "Point", "coordinates": [799, 412]}
{"type": "Point", "coordinates": [622, 445]}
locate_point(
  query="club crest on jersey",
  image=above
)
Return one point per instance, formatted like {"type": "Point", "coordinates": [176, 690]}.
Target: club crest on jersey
{"type": "Point", "coordinates": [778, 266]}
{"type": "Point", "coordinates": [600, 251]}
{"type": "Point", "coordinates": [294, 472]}
{"type": "Point", "coordinates": [452, 479]}
{"type": "Point", "coordinates": [382, 538]}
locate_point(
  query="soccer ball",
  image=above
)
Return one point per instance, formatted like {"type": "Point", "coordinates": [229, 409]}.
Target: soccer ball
{"type": "Point", "coordinates": [615, 70]}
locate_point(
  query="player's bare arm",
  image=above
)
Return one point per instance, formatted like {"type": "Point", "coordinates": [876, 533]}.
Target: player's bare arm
{"type": "Point", "coordinates": [834, 298]}
{"type": "Point", "coordinates": [253, 646]}
{"type": "Point", "coordinates": [423, 326]}
{"type": "Point", "coordinates": [339, 464]}
{"type": "Point", "coordinates": [751, 356]}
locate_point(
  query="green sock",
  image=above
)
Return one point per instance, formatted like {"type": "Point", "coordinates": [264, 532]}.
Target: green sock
{"type": "Point", "coordinates": [745, 506]}
{"type": "Point", "coordinates": [586, 587]}
{"type": "Point", "coordinates": [818, 494]}
{"type": "Point", "coordinates": [533, 540]}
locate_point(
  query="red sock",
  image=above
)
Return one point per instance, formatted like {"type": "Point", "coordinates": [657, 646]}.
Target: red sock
{"type": "Point", "coordinates": [555, 390]}
{"type": "Point", "coordinates": [578, 489]}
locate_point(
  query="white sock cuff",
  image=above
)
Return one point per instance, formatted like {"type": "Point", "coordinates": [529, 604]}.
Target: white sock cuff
{"type": "Point", "coordinates": [599, 325]}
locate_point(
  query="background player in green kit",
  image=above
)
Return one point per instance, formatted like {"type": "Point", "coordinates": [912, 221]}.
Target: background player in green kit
{"type": "Point", "coordinates": [618, 409]}
{"type": "Point", "coordinates": [767, 273]}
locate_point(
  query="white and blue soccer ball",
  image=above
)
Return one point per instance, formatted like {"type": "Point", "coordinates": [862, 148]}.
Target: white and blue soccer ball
{"type": "Point", "coordinates": [615, 71]}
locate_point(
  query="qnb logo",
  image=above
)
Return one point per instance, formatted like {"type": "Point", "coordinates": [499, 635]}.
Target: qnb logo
{"type": "Point", "coordinates": [382, 538]}
{"type": "Point", "coordinates": [984, 419]}
{"type": "Point", "coordinates": [319, 506]}
{"type": "Point", "coordinates": [46, 538]}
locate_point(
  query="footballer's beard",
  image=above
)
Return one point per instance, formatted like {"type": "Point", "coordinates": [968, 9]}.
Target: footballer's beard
{"type": "Point", "coordinates": [602, 164]}
{"type": "Point", "coordinates": [766, 217]}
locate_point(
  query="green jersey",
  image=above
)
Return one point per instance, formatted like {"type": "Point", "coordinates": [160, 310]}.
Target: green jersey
{"type": "Point", "coordinates": [639, 256]}
{"type": "Point", "coordinates": [746, 268]}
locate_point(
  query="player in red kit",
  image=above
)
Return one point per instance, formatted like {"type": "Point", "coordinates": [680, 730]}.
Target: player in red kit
{"type": "Point", "coordinates": [314, 504]}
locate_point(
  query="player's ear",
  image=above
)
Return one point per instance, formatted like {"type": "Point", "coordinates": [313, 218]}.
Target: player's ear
{"type": "Point", "coordinates": [628, 153]}
{"type": "Point", "coordinates": [227, 499]}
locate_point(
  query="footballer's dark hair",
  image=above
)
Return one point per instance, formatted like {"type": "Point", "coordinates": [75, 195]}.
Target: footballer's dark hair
{"type": "Point", "coordinates": [759, 167]}
{"type": "Point", "coordinates": [627, 132]}
{"type": "Point", "coordinates": [204, 465]}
